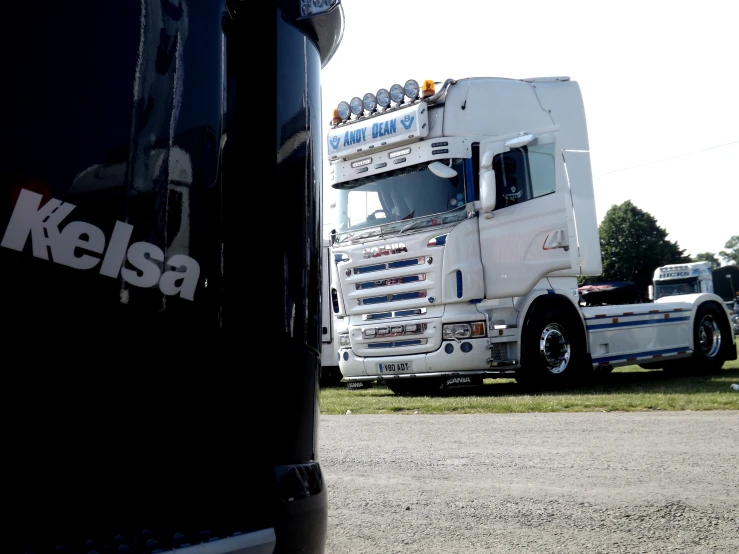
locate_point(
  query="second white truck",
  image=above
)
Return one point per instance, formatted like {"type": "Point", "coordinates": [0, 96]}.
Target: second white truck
{"type": "Point", "coordinates": [466, 213]}
{"type": "Point", "coordinates": [679, 279]}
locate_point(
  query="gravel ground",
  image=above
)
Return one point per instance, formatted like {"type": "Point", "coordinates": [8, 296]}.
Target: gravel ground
{"type": "Point", "coordinates": [577, 482]}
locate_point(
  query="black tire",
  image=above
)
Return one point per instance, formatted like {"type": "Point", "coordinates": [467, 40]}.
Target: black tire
{"type": "Point", "coordinates": [417, 386]}
{"type": "Point", "coordinates": [330, 376]}
{"type": "Point", "coordinates": [710, 333]}
{"type": "Point", "coordinates": [553, 351]}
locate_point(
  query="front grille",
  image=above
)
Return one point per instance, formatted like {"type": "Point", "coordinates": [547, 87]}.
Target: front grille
{"type": "Point", "coordinates": [399, 313]}
{"type": "Point", "coordinates": [390, 281]}
{"type": "Point", "coordinates": [397, 343]}
{"type": "Point", "coordinates": [389, 265]}
{"type": "Point", "coordinates": [397, 297]}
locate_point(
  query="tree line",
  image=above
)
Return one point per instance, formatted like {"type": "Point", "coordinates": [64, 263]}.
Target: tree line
{"type": "Point", "coordinates": [633, 245]}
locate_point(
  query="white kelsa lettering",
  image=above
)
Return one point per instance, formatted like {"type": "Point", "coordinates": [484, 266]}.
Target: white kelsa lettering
{"type": "Point", "coordinates": [458, 380]}
{"type": "Point", "coordinates": [42, 224]}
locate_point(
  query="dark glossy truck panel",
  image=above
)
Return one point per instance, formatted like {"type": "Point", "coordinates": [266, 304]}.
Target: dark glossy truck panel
{"type": "Point", "coordinates": [139, 231]}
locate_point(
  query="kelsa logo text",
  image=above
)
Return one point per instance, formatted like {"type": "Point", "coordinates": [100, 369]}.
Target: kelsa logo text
{"type": "Point", "coordinates": [180, 275]}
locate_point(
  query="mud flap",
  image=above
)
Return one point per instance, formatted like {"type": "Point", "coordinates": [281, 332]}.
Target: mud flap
{"type": "Point", "coordinates": [358, 385]}
{"type": "Point", "coordinates": [462, 381]}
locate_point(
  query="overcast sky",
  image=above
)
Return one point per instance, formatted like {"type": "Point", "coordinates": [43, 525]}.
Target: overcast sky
{"type": "Point", "coordinates": [660, 82]}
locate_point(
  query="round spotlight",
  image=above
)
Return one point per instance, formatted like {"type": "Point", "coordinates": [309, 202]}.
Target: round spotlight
{"type": "Point", "coordinates": [356, 105]}
{"type": "Point", "coordinates": [383, 98]}
{"type": "Point", "coordinates": [369, 102]}
{"type": "Point", "coordinates": [397, 93]}
{"type": "Point", "coordinates": [343, 109]}
{"type": "Point", "coordinates": [411, 89]}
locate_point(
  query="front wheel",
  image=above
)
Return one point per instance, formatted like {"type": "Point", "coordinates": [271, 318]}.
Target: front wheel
{"type": "Point", "coordinates": [553, 351]}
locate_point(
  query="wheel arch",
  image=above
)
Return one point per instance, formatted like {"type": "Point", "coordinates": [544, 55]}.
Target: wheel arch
{"type": "Point", "coordinates": [553, 300]}
{"type": "Point", "coordinates": [728, 346]}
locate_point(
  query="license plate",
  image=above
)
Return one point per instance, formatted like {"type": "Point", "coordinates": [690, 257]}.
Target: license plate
{"type": "Point", "coordinates": [395, 367]}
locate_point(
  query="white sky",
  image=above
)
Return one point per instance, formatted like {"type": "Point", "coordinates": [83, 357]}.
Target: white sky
{"type": "Point", "coordinates": [659, 78]}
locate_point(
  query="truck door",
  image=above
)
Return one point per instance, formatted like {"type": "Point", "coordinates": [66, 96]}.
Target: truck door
{"type": "Point", "coordinates": [527, 235]}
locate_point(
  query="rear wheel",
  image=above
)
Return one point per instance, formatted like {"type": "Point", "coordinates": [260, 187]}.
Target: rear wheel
{"type": "Point", "coordinates": [553, 351]}
{"type": "Point", "coordinates": [709, 333]}
{"type": "Point", "coordinates": [416, 386]}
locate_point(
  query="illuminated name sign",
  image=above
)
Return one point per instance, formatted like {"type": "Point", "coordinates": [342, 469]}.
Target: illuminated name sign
{"type": "Point", "coordinates": [382, 131]}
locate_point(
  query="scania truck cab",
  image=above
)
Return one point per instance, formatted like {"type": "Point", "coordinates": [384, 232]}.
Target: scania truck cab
{"type": "Point", "coordinates": [465, 215]}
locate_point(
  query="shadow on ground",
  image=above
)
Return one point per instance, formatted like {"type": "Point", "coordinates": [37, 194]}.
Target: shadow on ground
{"type": "Point", "coordinates": [644, 382]}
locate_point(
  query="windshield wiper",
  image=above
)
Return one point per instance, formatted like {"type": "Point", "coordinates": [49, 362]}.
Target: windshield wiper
{"type": "Point", "coordinates": [443, 218]}
{"type": "Point", "coordinates": [412, 224]}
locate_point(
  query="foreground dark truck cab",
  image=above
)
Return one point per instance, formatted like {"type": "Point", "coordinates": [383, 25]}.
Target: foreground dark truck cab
{"type": "Point", "coordinates": [133, 200]}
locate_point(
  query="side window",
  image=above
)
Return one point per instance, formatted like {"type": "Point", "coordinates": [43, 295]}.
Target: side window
{"type": "Point", "coordinates": [541, 162]}
{"type": "Point", "coordinates": [523, 174]}
{"type": "Point", "coordinates": [511, 178]}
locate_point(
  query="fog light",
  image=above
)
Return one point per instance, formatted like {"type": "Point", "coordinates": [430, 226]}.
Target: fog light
{"type": "Point", "coordinates": [383, 98]}
{"type": "Point", "coordinates": [369, 102]}
{"type": "Point", "coordinates": [343, 110]}
{"type": "Point", "coordinates": [411, 89]}
{"type": "Point", "coordinates": [356, 105]}
{"type": "Point", "coordinates": [397, 93]}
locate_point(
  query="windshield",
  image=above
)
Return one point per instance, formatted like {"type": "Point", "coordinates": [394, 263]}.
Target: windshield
{"type": "Point", "coordinates": [398, 201]}
{"type": "Point", "coordinates": [674, 287]}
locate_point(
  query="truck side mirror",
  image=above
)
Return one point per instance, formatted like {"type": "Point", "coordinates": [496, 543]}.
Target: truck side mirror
{"type": "Point", "coordinates": [487, 181]}
{"type": "Point", "coordinates": [487, 190]}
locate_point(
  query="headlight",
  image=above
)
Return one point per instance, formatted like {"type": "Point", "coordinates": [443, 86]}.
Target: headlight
{"type": "Point", "coordinates": [343, 109]}
{"type": "Point", "coordinates": [383, 98]}
{"type": "Point", "coordinates": [397, 93]}
{"type": "Point", "coordinates": [344, 341]}
{"type": "Point", "coordinates": [356, 105]}
{"type": "Point", "coordinates": [463, 330]}
{"type": "Point", "coordinates": [369, 102]}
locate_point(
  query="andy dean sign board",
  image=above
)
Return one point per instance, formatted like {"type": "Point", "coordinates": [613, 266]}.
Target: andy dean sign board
{"type": "Point", "coordinates": [380, 132]}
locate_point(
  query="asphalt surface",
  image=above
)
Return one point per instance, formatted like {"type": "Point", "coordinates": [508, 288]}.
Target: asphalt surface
{"type": "Point", "coordinates": [579, 482]}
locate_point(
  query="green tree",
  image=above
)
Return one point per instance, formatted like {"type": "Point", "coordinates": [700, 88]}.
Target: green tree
{"type": "Point", "coordinates": [731, 254]}
{"type": "Point", "coordinates": [709, 257]}
{"type": "Point", "coordinates": [633, 245]}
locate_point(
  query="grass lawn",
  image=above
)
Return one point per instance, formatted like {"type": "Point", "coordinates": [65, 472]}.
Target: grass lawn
{"type": "Point", "coordinates": [626, 389]}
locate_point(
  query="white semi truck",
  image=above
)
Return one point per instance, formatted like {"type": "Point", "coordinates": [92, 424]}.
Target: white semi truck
{"type": "Point", "coordinates": [464, 217]}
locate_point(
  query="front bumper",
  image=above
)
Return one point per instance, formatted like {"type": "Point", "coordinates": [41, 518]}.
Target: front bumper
{"type": "Point", "coordinates": [439, 363]}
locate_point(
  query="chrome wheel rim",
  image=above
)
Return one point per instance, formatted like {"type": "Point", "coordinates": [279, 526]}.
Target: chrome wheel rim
{"type": "Point", "coordinates": [709, 336]}
{"type": "Point", "coordinates": [554, 348]}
